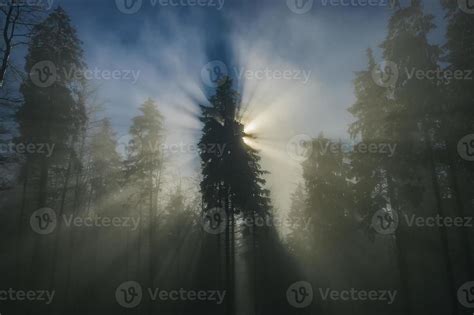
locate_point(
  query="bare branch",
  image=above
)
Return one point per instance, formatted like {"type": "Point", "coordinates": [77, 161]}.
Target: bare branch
{"type": "Point", "coordinates": [19, 22]}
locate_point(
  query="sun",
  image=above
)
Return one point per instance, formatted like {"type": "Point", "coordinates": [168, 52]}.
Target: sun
{"type": "Point", "coordinates": [249, 128]}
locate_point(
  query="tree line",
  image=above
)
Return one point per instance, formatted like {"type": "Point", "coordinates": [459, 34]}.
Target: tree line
{"type": "Point", "coordinates": [354, 195]}
{"type": "Point", "coordinates": [193, 233]}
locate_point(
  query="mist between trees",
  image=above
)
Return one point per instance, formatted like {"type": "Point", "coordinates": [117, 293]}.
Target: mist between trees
{"type": "Point", "coordinates": [100, 224]}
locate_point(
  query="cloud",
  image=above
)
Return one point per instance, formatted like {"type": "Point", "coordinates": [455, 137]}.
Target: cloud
{"type": "Point", "coordinates": [169, 46]}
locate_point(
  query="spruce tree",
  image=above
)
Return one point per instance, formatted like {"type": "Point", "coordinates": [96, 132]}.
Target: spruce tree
{"type": "Point", "coordinates": [106, 166]}
{"type": "Point", "coordinates": [233, 182]}
{"type": "Point", "coordinates": [457, 116]}
{"type": "Point", "coordinates": [373, 175]}
{"type": "Point", "coordinates": [53, 113]}
{"type": "Point", "coordinates": [143, 174]}
{"type": "Point", "coordinates": [407, 118]}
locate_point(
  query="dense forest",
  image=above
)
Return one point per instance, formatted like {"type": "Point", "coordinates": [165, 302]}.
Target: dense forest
{"type": "Point", "coordinates": [95, 222]}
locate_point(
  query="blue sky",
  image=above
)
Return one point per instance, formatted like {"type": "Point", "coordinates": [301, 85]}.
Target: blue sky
{"type": "Point", "coordinates": [329, 41]}
{"type": "Point", "coordinates": [169, 46]}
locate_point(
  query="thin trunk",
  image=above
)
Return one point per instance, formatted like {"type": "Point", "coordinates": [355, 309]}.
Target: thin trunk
{"type": "Point", "coordinates": [74, 236]}
{"type": "Point", "coordinates": [43, 183]}
{"type": "Point", "coordinates": [19, 239]}
{"type": "Point", "coordinates": [151, 253]}
{"type": "Point", "coordinates": [255, 269]}
{"type": "Point", "coordinates": [227, 253]}
{"type": "Point", "coordinates": [442, 228]}
{"type": "Point", "coordinates": [461, 212]}
{"type": "Point", "coordinates": [79, 173]}
{"type": "Point", "coordinates": [400, 253]}
{"type": "Point", "coordinates": [40, 252]}
{"type": "Point", "coordinates": [232, 257]}
{"type": "Point", "coordinates": [60, 214]}
{"type": "Point", "coordinates": [152, 261]}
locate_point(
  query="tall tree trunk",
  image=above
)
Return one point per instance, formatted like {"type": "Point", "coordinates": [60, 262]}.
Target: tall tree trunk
{"type": "Point", "coordinates": [73, 240]}
{"type": "Point", "coordinates": [255, 266]}
{"type": "Point", "coordinates": [21, 223]}
{"type": "Point", "coordinates": [442, 228]}
{"type": "Point", "coordinates": [461, 212]}
{"type": "Point", "coordinates": [60, 214]}
{"type": "Point", "coordinates": [227, 251]}
{"type": "Point", "coordinates": [43, 183]}
{"type": "Point", "coordinates": [232, 256]}
{"type": "Point", "coordinates": [151, 254]}
{"type": "Point", "coordinates": [400, 253]}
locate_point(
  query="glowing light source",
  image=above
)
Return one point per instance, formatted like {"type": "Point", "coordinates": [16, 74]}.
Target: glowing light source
{"type": "Point", "coordinates": [250, 142]}
{"type": "Point", "coordinates": [250, 127]}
